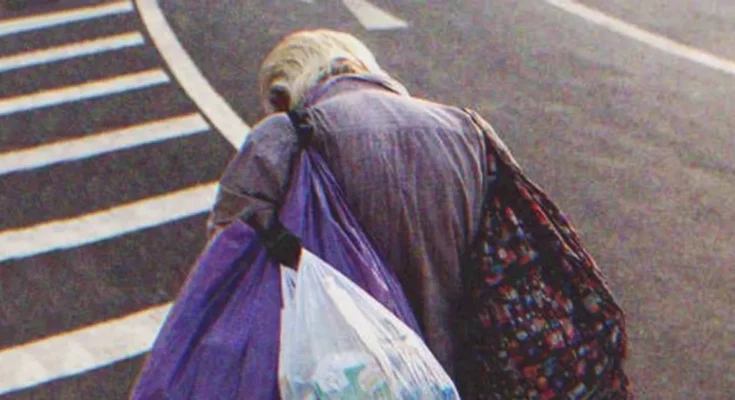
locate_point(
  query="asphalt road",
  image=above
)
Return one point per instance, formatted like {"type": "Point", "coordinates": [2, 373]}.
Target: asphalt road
{"type": "Point", "coordinates": [54, 292]}
{"type": "Point", "coordinates": [632, 142]}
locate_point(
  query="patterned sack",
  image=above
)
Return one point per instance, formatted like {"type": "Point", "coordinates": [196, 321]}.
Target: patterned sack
{"type": "Point", "coordinates": [541, 321]}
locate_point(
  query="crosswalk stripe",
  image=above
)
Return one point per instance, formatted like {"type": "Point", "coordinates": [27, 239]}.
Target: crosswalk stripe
{"type": "Point", "coordinates": [102, 344]}
{"type": "Point", "coordinates": [105, 142]}
{"type": "Point", "coordinates": [69, 51]}
{"type": "Point", "coordinates": [81, 350]}
{"type": "Point", "coordinates": [106, 224]}
{"type": "Point", "coordinates": [89, 90]}
{"type": "Point", "coordinates": [35, 22]}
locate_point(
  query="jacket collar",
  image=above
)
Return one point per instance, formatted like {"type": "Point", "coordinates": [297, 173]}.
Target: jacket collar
{"type": "Point", "coordinates": [347, 83]}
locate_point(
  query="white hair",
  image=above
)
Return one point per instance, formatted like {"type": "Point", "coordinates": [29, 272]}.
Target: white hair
{"type": "Point", "coordinates": [303, 59]}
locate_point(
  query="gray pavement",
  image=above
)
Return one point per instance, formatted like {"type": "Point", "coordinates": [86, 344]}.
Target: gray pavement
{"type": "Point", "coordinates": [62, 290]}
{"type": "Point", "coordinates": [633, 143]}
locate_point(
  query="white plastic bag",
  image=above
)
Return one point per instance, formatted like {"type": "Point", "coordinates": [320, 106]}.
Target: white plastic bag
{"type": "Point", "coordinates": [337, 342]}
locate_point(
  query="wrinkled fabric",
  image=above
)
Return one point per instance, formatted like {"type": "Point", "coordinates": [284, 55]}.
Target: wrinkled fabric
{"type": "Point", "coordinates": [221, 338]}
{"type": "Point", "coordinates": [412, 173]}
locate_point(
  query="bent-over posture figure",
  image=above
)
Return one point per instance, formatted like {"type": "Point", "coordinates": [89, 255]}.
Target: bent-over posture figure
{"type": "Point", "coordinates": [417, 175]}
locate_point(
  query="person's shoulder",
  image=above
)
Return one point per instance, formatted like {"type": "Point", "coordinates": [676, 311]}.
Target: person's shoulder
{"type": "Point", "coordinates": [275, 121]}
{"type": "Point", "coordinates": [444, 111]}
{"type": "Point", "coordinates": [428, 104]}
{"type": "Point", "coordinates": [271, 128]}
{"type": "Point", "coordinates": [272, 124]}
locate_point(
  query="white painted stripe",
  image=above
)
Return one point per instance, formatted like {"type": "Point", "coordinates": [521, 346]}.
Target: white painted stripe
{"type": "Point", "coordinates": [24, 24]}
{"type": "Point", "coordinates": [372, 17]}
{"type": "Point", "coordinates": [106, 224]}
{"type": "Point", "coordinates": [657, 41]}
{"type": "Point", "coordinates": [90, 146]}
{"type": "Point", "coordinates": [70, 51]}
{"type": "Point", "coordinates": [80, 351]}
{"type": "Point", "coordinates": [115, 340]}
{"type": "Point", "coordinates": [214, 107]}
{"type": "Point", "coordinates": [105, 87]}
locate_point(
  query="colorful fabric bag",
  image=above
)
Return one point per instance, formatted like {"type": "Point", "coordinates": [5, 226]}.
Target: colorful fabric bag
{"type": "Point", "coordinates": [541, 323]}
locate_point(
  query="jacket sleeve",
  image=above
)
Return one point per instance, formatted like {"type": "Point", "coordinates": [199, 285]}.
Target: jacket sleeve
{"type": "Point", "coordinates": [256, 180]}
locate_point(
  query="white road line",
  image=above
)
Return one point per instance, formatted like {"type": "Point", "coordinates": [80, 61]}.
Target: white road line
{"type": "Point", "coordinates": [214, 107]}
{"type": "Point", "coordinates": [105, 87]}
{"type": "Point", "coordinates": [94, 145]}
{"type": "Point", "coordinates": [69, 51]}
{"type": "Point", "coordinates": [372, 17]}
{"type": "Point", "coordinates": [106, 224]}
{"type": "Point", "coordinates": [111, 341]}
{"type": "Point", "coordinates": [24, 24]}
{"type": "Point", "coordinates": [79, 351]}
{"type": "Point", "coordinates": [657, 41]}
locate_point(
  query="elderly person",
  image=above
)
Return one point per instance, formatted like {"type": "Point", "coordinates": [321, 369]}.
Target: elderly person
{"type": "Point", "coordinates": [413, 172]}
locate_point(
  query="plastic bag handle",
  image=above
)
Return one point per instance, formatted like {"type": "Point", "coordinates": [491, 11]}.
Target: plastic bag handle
{"type": "Point", "coordinates": [281, 244]}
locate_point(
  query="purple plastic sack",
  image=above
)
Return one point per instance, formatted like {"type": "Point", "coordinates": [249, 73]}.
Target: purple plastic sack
{"type": "Point", "coordinates": [221, 338]}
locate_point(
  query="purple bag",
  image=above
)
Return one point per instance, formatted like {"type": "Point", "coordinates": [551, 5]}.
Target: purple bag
{"type": "Point", "coordinates": [221, 338]}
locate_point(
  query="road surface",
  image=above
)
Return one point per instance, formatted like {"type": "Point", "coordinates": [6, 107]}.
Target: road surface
{"type": "Point", "coordinates": [629, 130]}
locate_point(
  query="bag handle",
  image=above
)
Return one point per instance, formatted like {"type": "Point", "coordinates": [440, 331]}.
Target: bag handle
{"type": "Point", "coordinates": [281, 244]}
{"type": "Point", "coordinates": [301, 121]}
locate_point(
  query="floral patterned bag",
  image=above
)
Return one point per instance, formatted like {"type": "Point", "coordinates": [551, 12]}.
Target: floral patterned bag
{"type": "Point", "coordinates": [540, 319]}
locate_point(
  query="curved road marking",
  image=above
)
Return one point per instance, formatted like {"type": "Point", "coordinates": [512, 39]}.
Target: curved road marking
{"type": "Point", "coordinates": [111, 341]}
{"type": "Point", "coordinates": [214, 107]}
{"type": "Point", "coordinates": [657, 41]}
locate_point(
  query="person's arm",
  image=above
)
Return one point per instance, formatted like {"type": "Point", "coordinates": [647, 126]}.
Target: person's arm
{"type": "Point", "coordinates": [227, 207]}
{"type": "Point", "coordinates": [255, 183]}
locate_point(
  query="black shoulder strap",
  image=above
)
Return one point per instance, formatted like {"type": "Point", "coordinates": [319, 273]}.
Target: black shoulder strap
{"type": "Point", "coordinates": [301, 121]}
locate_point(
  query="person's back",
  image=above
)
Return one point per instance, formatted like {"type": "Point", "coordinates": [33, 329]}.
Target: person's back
{"type": "Point", "coordinates": [491, 267]}
{"type": "Point", "coordinates": [413, 174]}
